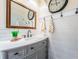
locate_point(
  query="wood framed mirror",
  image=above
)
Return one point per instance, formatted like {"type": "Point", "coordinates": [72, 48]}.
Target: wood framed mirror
{"type": "Point", "coordinates": [19, 16]}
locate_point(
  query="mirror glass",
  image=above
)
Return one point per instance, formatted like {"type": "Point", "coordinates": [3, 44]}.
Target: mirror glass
{"type": "Point", "coordinates": [20, 16]}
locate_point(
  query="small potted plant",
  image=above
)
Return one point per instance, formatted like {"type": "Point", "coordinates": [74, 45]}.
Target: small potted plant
{"type": "Point", "coordinates": [14, 35]}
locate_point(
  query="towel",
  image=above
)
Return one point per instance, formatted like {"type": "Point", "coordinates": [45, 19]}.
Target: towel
{"type": "Point", "coordinates": [43, 29]}
{"type": "Point", "coordinates": [50, 24]}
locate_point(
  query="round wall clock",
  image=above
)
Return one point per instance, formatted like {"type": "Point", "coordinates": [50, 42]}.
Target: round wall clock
{"type": "Point", "coordinates": [57, 5]}
{"type": "Point", "coordinates": [30, 15]}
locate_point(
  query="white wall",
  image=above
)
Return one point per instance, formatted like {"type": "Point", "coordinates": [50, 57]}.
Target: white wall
{"type": "Point", "coordinates": [5, 33]}
{"type": "Point", "coordinates": [71, 5]}
{"type": "Point", "coordinates": [63, 42]}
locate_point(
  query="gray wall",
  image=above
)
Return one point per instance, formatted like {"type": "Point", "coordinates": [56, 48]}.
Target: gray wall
{"type": "Point", "coordinates": [63, 42]}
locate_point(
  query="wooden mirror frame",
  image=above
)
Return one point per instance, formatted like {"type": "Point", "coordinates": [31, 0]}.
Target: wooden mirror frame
{"type": "Point", "coordinates": [8, 16]}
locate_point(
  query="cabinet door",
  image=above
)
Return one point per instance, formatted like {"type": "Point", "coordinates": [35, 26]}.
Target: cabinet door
{"type": "Point", "coordinates": [41, 54]}
{"type": "Point", "coordinates": [33, 56]}
{"type": "Point", "coordinates": [18, 53]}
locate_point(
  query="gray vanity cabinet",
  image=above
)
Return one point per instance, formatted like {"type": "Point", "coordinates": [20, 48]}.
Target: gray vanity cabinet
{"type": "Point", "coordinates": [34, 51]}
{"type": "Point", "coordinates": [41, 54]}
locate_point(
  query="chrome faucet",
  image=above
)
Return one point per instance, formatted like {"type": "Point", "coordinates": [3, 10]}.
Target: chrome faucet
{"type": "Point", "coordinates": [29, 33]}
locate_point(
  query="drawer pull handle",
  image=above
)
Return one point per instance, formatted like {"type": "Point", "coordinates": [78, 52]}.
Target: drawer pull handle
{"type": "Point", "coordinates": [32, 48]}
{"type": "Point", "coordinates": [43, 42]}
{"type": "Point", "coordinates": [16, 53]}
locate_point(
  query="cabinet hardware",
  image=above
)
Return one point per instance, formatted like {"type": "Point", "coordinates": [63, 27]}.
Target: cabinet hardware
{"type": "Point", "coordinates": [32, 48]}
{"type": "Point", "coordinates": [16, 53]}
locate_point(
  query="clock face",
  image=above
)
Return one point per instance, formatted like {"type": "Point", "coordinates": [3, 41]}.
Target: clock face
{"type": "Point", "coordinates": [30, 15]}
{"type": "Point", "coordinates": [57, 5]}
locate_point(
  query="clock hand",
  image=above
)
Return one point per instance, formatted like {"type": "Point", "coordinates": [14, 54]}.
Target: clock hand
{"type": "Point", "coordinates": [56, 3]}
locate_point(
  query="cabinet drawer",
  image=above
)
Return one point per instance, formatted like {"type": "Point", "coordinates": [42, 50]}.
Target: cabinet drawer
{"type": "Point", "coordinates": [18, 53]}
{"type": "Point", "coordinates": [34, 47]}
{"type": "Point", "coordinates": [42, 43]}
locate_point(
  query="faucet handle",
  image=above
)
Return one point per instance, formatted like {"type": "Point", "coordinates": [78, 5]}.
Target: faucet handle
{"type": "Point", "coordinates": [24, 36]}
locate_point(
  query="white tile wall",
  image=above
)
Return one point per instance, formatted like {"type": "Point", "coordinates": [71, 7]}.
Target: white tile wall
{"type": "Point", "coordinates": [64, 40]}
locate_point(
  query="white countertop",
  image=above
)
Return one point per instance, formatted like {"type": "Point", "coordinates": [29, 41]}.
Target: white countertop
{"type": "Point", "coordinates": [7, 45]}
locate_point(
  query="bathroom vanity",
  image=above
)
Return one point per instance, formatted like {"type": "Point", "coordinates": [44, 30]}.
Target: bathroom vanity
{"type": "Point", "coordinates": [32, 48]}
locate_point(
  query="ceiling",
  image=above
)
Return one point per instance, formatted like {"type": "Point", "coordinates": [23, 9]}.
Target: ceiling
{"type": "Point", "coordinates": [34, 4]}
{"type": "Point", "coordinates": [40, 2]}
